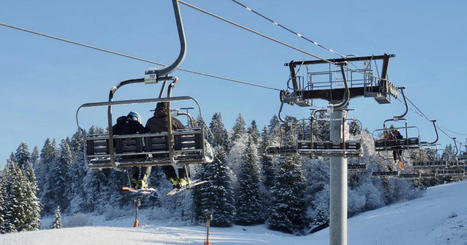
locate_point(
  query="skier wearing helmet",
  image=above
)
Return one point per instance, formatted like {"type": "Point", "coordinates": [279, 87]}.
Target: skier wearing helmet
{"type": "Point", "coordinates": [131, 124]}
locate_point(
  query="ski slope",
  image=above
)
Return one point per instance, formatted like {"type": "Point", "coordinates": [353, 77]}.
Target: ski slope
{"type": "Point", "coordinates": [439, 217]}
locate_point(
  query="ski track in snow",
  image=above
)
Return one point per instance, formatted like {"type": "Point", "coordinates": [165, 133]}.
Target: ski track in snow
{"type": "Point", "coordinates": [439, 217]}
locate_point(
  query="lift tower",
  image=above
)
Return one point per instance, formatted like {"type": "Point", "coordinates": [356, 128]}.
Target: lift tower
{"type": "Point", "coordinates": [337, 83]}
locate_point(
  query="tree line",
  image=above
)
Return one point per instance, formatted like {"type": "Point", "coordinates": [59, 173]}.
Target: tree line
{"type": "Point", "coordinates": [246, 186]}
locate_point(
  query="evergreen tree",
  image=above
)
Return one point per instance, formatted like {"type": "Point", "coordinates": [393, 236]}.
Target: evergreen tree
{"type": "Point", "coordinates": [77, 174]}
{"type": "Point", "coordinates": [77, 142]}
{"type": "Point", "coordinates": [94, 185]}
{"type": "Point", "coordinates": [32, 203]}
{"type": "Point", "coordinates": [2, 201]}
{"type": "Point", "coordinates": [215, 196]}
{"type": "Point", "coordinates": [248, 204]}
{"type": "Point", "coordinates": [254, 132]}
{"type": "Point", "coordinates": [288, 211]}
{"type": "Point", "coordinates": [239, 128]}
{"type": "Point", "coordinates": [48, 155]}
{"type": "Point", "coordinates": [22, 155]}
{"type": "Point", "coordinates": [52, 177]}
{"type": "Point", "coordinates": [35, 157]}
{"type": "Point", "coordinates": [266, 161]}
{"type": "Point", "coordinates": [57, 224]}
{"type": "Point", "coordinates": [15, 213]}
{"type": "Point", "coordinates": [274, 127]}
{"type": "Point", "coordinates": [219, 135]}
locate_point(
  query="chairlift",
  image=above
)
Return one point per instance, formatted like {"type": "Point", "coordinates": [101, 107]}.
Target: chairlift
{"type": "Point", "coordinates": [175, 147]}
{"type": "Point", "coordinates": [309, 146]}
{"type": "Point", "coordinates": [408, 142]}
{"type": "Point", "coordinates": [430, 162]}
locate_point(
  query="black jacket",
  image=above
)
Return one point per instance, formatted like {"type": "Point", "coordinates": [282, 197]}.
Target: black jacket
{"type": "Point", "coordinates": [127, 126]}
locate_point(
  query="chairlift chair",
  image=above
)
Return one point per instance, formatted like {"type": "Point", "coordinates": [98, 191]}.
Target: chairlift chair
{"type": "Point", "coordinates": [408, 142]}
{"type": "Point", "coordinates": [174, 147]}
{"type": "Point", "coordinates": [308, 146]}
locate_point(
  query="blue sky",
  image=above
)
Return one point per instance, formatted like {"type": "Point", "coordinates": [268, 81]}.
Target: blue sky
{"type": "Point", "coordinates": [44, 81]}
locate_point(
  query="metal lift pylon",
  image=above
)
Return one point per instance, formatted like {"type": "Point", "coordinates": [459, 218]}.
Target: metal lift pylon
{"type": "Point", "coordinates": [302, 94]}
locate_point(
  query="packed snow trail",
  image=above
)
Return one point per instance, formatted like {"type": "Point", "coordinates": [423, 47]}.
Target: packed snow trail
{"type": "Point", "coordinates": [440, 217]}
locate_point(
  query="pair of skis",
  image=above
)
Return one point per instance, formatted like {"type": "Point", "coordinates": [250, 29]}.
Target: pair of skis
{"type": "Point", "coordinates": [173, 192]}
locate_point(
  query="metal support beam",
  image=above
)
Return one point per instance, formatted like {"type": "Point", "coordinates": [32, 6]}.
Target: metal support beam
{"type": "Point", "coordinates": [338, 185]}
{"type": "Point", "coordinates": [340, 60]}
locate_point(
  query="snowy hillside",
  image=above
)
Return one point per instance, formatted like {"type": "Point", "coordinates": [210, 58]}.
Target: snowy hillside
{"type": "Point", "coordinates": [439, 217]}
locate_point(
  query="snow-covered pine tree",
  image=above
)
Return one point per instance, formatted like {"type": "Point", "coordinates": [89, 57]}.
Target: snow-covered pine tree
{"type": "Point", "coordinates": [267, 164]}
{"type": "Point", "coordinates": [219, 136]}
{"type": "Point", "coordinates": [77, 173]}
{"type": "Point", "coordinates": [58, 180]}
{"type": "Point", "coordinates": [15, 213]}
{"type": "Point", "coordinates": [274, 128]}
{"type": "Point", "coordinates": [32, 203]}
{"type": "Point", "coordinates": [57, 224]}
{"type": "Point", "coordinates": [77, 142]}
{"type": "Point", "coordinates": [239, 128]}
{"type": "Point", "coordinates": [254, 132]}
{"type": "Point", "coordinates": [248, 199]}
{"type": "Point", "coordinates": [2, 200]}
{"type": "Point", "coordinates": [288, 211]}
{"type": "Point", "coordinates": [35, 157]}
{"type": "Point", "coordinates": [217, 195]}
{"type": "Point", "coordinates": [94, 184]}
{"type": "Point", "coordinates": [22, 155]}
{"type": "Point", "coordinates": [49, 154]}
{"type": "Point", "coordinates": [317, 192]}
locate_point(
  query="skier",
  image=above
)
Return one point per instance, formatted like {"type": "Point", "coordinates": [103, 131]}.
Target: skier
{"type": "Point", "coordinates": [158, 123]}
{"type": "Point", "coordinates": [131, 124]}
{"type": "Point", "coordinates": [397, 151]}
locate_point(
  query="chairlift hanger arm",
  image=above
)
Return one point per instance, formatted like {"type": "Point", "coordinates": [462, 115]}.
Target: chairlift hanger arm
{"type": "Point", "coordinates": [436, 131]}
{"type": "Point", "coordinates": [346, 95]}
{"type": "Point", "coordinates": [455, 144]}
{"type": "Point", "coordinates": [181, 34]}
{"type": "Point", "coordinates": [405, 103]}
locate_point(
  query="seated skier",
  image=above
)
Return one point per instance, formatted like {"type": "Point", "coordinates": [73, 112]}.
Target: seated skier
{"type": "Point", "coordinates": [158, 123]}
{"type": "Point", "coordinates": [397, 151]}
{"type": "Point", "coordinates": [131, 124]}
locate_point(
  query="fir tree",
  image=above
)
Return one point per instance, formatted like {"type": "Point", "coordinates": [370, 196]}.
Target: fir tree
{"type": "Point", "coordinates": [58, 182]}
{"type": "Point", "coordinates": [15, 210]}
{"type": "Point", "coordinates": [219, 136]}
{"type": "Point", "coordinates": [77, 142]}
{"type": "Point", "coordinates": [57, 224]}
{"type": "Point", "coordinates": [48, 155]}
{"type": "Point", "coordinates": [288, 211]}
{"type": "Point", "coordinates": [2, 201]}
{"type": "Point", "coordinates": [77, 173]}
{"type": "Point", "coordinates": [254, 132]}
{"type": "Point", "coordinates": [22, 155]}
{"type": "Point", "coordinates": [239, 128]}
{"type": "Point", "coordinates": [32, 203]}
{"type": "Point", "coordinates": [215, 196]}
{"type": "Point", "coordinates": [248, 204]}
{"type": "Point", "coordinates": [35, 157]}
{"type": "Point", "coordinates": [266, 161]}
{"type": "Point", "coordinates": [274, 127]}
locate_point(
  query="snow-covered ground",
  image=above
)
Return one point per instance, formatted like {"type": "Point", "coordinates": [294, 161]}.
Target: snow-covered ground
{"type": "Point", "coordinates": [439, 217]}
